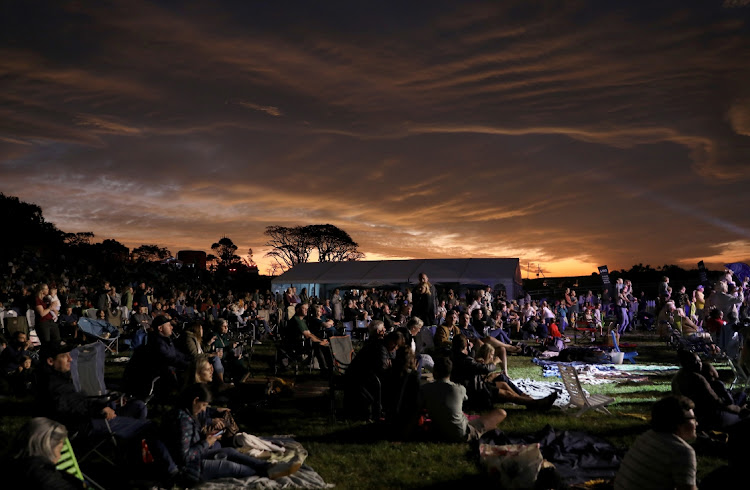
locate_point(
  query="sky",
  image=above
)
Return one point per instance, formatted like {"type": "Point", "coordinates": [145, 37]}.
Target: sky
{"type": "Point", "coordinates": [569, 134]}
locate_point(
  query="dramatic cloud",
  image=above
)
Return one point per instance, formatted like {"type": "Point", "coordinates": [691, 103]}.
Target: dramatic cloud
{"type": "Point", "coordinates": [587, 134]}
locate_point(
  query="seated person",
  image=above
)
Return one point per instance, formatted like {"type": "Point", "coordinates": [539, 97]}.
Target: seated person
{"type": "Point", "coordinates": [485, 384]}
{"type": "Point", "coordinates": [712, 412]}
{"type": "Point", "coordinates": [192, 343]}
{"type": "Point", "coordinates": [320, 326]}
{"type": "Point", "coordinates": [366, 374]}
{"type": "Point", "coordinates": [69, 323]}
{"type": "Point", "coordinates": [162, 356]}
{"type": "Point", "coordinates": [400, 391]}
{"type": "Point", "coordinates": [141, 319]}
{"type": "Point", "coordinates": [229, 351]}
{"type": "Point", "coordinates": [95, 416]}
{"type": "Point", "coordinates": [661, 457]}
{"type": "Point", "coordinates": [42, 442]}
{"type": "Point", "coordinates": [444, 399]}
{"type": "Point", "coordinates": [445, 332]}
{"type": "Point", "coordinates": [712, 376]}
{"type": "Point", "coordinates": [196, 451]}
{"type": "Point", "coordinates": [14, 353]}
{"type": "Point", "coordinates": [298, 333]}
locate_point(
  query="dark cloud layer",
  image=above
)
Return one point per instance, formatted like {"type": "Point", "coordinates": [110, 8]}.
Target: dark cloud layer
{"type": "Point", "coordinates": [570, 134]}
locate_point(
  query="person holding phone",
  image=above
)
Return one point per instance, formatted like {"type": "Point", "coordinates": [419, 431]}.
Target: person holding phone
{"type": "Point", "coordinates": [201, 457]}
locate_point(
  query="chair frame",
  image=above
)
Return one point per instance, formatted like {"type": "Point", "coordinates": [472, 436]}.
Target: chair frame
{"type": "Point", "coordinates": [741, 376]}
{"type": "Point", "coordinates": [578, 397]}
{"type": "Point", "coordinates": [627, 356]}
{"type": "Point", "coordinates": [340, 365]}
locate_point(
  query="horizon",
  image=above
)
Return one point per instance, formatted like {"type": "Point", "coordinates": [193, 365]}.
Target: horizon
{"type": "Point", "coordinates": [570, 137]}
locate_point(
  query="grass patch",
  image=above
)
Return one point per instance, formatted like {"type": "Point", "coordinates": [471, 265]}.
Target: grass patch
{"type": "Point", "coordinates": [356, 455]}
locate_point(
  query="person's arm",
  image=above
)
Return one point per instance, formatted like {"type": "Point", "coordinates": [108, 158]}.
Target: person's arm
{"type": "Point", "coordinates": [312, 338]}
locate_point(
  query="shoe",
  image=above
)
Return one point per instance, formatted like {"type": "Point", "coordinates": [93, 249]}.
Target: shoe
{"type": "Point", "coordinates": [546, 403]}
{"type": "Point", "coordinates": [280, 470]}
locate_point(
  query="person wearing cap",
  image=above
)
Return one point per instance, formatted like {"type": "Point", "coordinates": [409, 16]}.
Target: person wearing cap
{"type": "Point", "coordinates": [91, 416]}
{"type": "Point", "coordinates": [162, 351]}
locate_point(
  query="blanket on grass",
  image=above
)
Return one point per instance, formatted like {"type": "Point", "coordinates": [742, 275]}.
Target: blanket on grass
{"type": "Point", "coordinates": [594, 374]}
{"type": "Point", "coordinates": [578, 456]}
{"type": "Point", "coordinates": [275, 449]}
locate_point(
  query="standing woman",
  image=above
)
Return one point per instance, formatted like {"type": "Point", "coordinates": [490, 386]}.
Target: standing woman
{"type": "Point", "coordinates": [45, 325]}
{"type": "Point", "coordinates": [337, 305]}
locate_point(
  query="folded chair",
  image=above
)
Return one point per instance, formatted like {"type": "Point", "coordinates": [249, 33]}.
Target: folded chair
{"type": "Point", "coordinates": [342, 354]}
{"type": "Point", "coordinates": [626, 356]}
{"type": "Point", "coordinates": [578, 397]}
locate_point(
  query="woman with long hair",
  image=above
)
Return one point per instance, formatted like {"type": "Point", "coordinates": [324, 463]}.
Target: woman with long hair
{"type": "Point", "coordinates": [46, 327]}
{"type": "Point", "coordinates": [200, 454]}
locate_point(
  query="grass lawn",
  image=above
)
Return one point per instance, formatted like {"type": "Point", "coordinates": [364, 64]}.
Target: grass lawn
{"type": "Point", "coordinates": [355, 454]}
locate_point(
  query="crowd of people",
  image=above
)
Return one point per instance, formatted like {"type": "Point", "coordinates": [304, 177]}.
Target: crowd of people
{"type": "Point", "coordinates": [475, 332]}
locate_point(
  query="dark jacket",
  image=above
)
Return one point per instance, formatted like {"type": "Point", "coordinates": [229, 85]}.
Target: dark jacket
{"type": "Point", "coordinates": [187, 443]}
{"type": "Point", "coordinates": [38, 473]}
{"type": "Point", "coordinates": [164, 355]}
{"type": "Point", "coordinates": [60, 401]}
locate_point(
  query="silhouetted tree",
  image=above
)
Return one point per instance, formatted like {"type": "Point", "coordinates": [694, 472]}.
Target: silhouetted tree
{"type": "Point", "coordinates": [289, 246]}
{"type": "Point", "coordinates": [292, 246]}
{"type": "Point", "coordinates": [150, 253]}
{"type": "Point", "coordinates": [225, 250]}
{"type": "Point", "coordinates": [333, 243]}
{"type": "Point", "coordinates": [78, 239]}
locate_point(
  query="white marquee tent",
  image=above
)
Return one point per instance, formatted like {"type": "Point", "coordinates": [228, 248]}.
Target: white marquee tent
{"type": "Point", "coordinates": [322, 277]}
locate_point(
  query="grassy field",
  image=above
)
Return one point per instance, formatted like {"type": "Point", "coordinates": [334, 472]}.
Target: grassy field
{"type": "Point", "coordinates": [356, 454]}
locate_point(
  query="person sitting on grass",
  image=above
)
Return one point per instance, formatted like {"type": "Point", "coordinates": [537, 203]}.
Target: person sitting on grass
{"type": "Point", "coordinates": [661, 457]}
{"type": "Point", "coordinates": [200, 455]}
{"type": "Point", "coordinates": [713, 413]}
{"type": "Point", "coordinates": [485, 384]}
{"type": "Point", "coordinates": [444, 399]}
{"type": "Point", "coordinates": [42, 442]}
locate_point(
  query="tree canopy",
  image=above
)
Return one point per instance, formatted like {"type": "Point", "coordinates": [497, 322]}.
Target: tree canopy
{"type": "Point", "coordinates": [293, 245]}
{"type": "Point", "coordinates": [150, 253]}
{"type": "Point", "coordinates": [225, 251]}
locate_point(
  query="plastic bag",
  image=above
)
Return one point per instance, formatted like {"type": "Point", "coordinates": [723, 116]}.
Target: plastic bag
{"type": "Point", "coordinates": [515, 465]}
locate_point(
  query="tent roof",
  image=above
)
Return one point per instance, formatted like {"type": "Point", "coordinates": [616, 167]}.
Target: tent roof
{"type": "Point", "coordinates": [381, 272]}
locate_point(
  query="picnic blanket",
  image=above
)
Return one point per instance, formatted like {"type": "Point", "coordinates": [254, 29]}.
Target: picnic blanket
{"type": "Point", "coordinates": [540, 389]}
{"type": "Point", "coordinates": [578, 456]}
{"type": "Point", "coordinates": [275, 449]}
{"type": "Point", "coordinates": [594, 374]}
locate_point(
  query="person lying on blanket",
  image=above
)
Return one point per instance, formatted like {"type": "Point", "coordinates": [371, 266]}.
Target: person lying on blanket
{"type": "Point", "coordinates": [486, 385]}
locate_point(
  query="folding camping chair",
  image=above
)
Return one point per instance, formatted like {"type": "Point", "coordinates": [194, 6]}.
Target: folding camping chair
{"type": "Point", "coordinates": [626, 356]}
{"type": "Point", "coordinates": [15, 324]}
{"type": "Point", "coordinates": [69, 464]}
{"type": "Point", "coordinates": [342, 353]}
{"type": "Point", "coordinates": [102, 331]}
{"type": "Point", "coordinates": [741, 376]}
{"type": "Point", "coordinates": [361, 329]}
{"type": "Point", "coordinates": [578, 397]}
{"type": "Point", "coordinates": [87, 372]}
